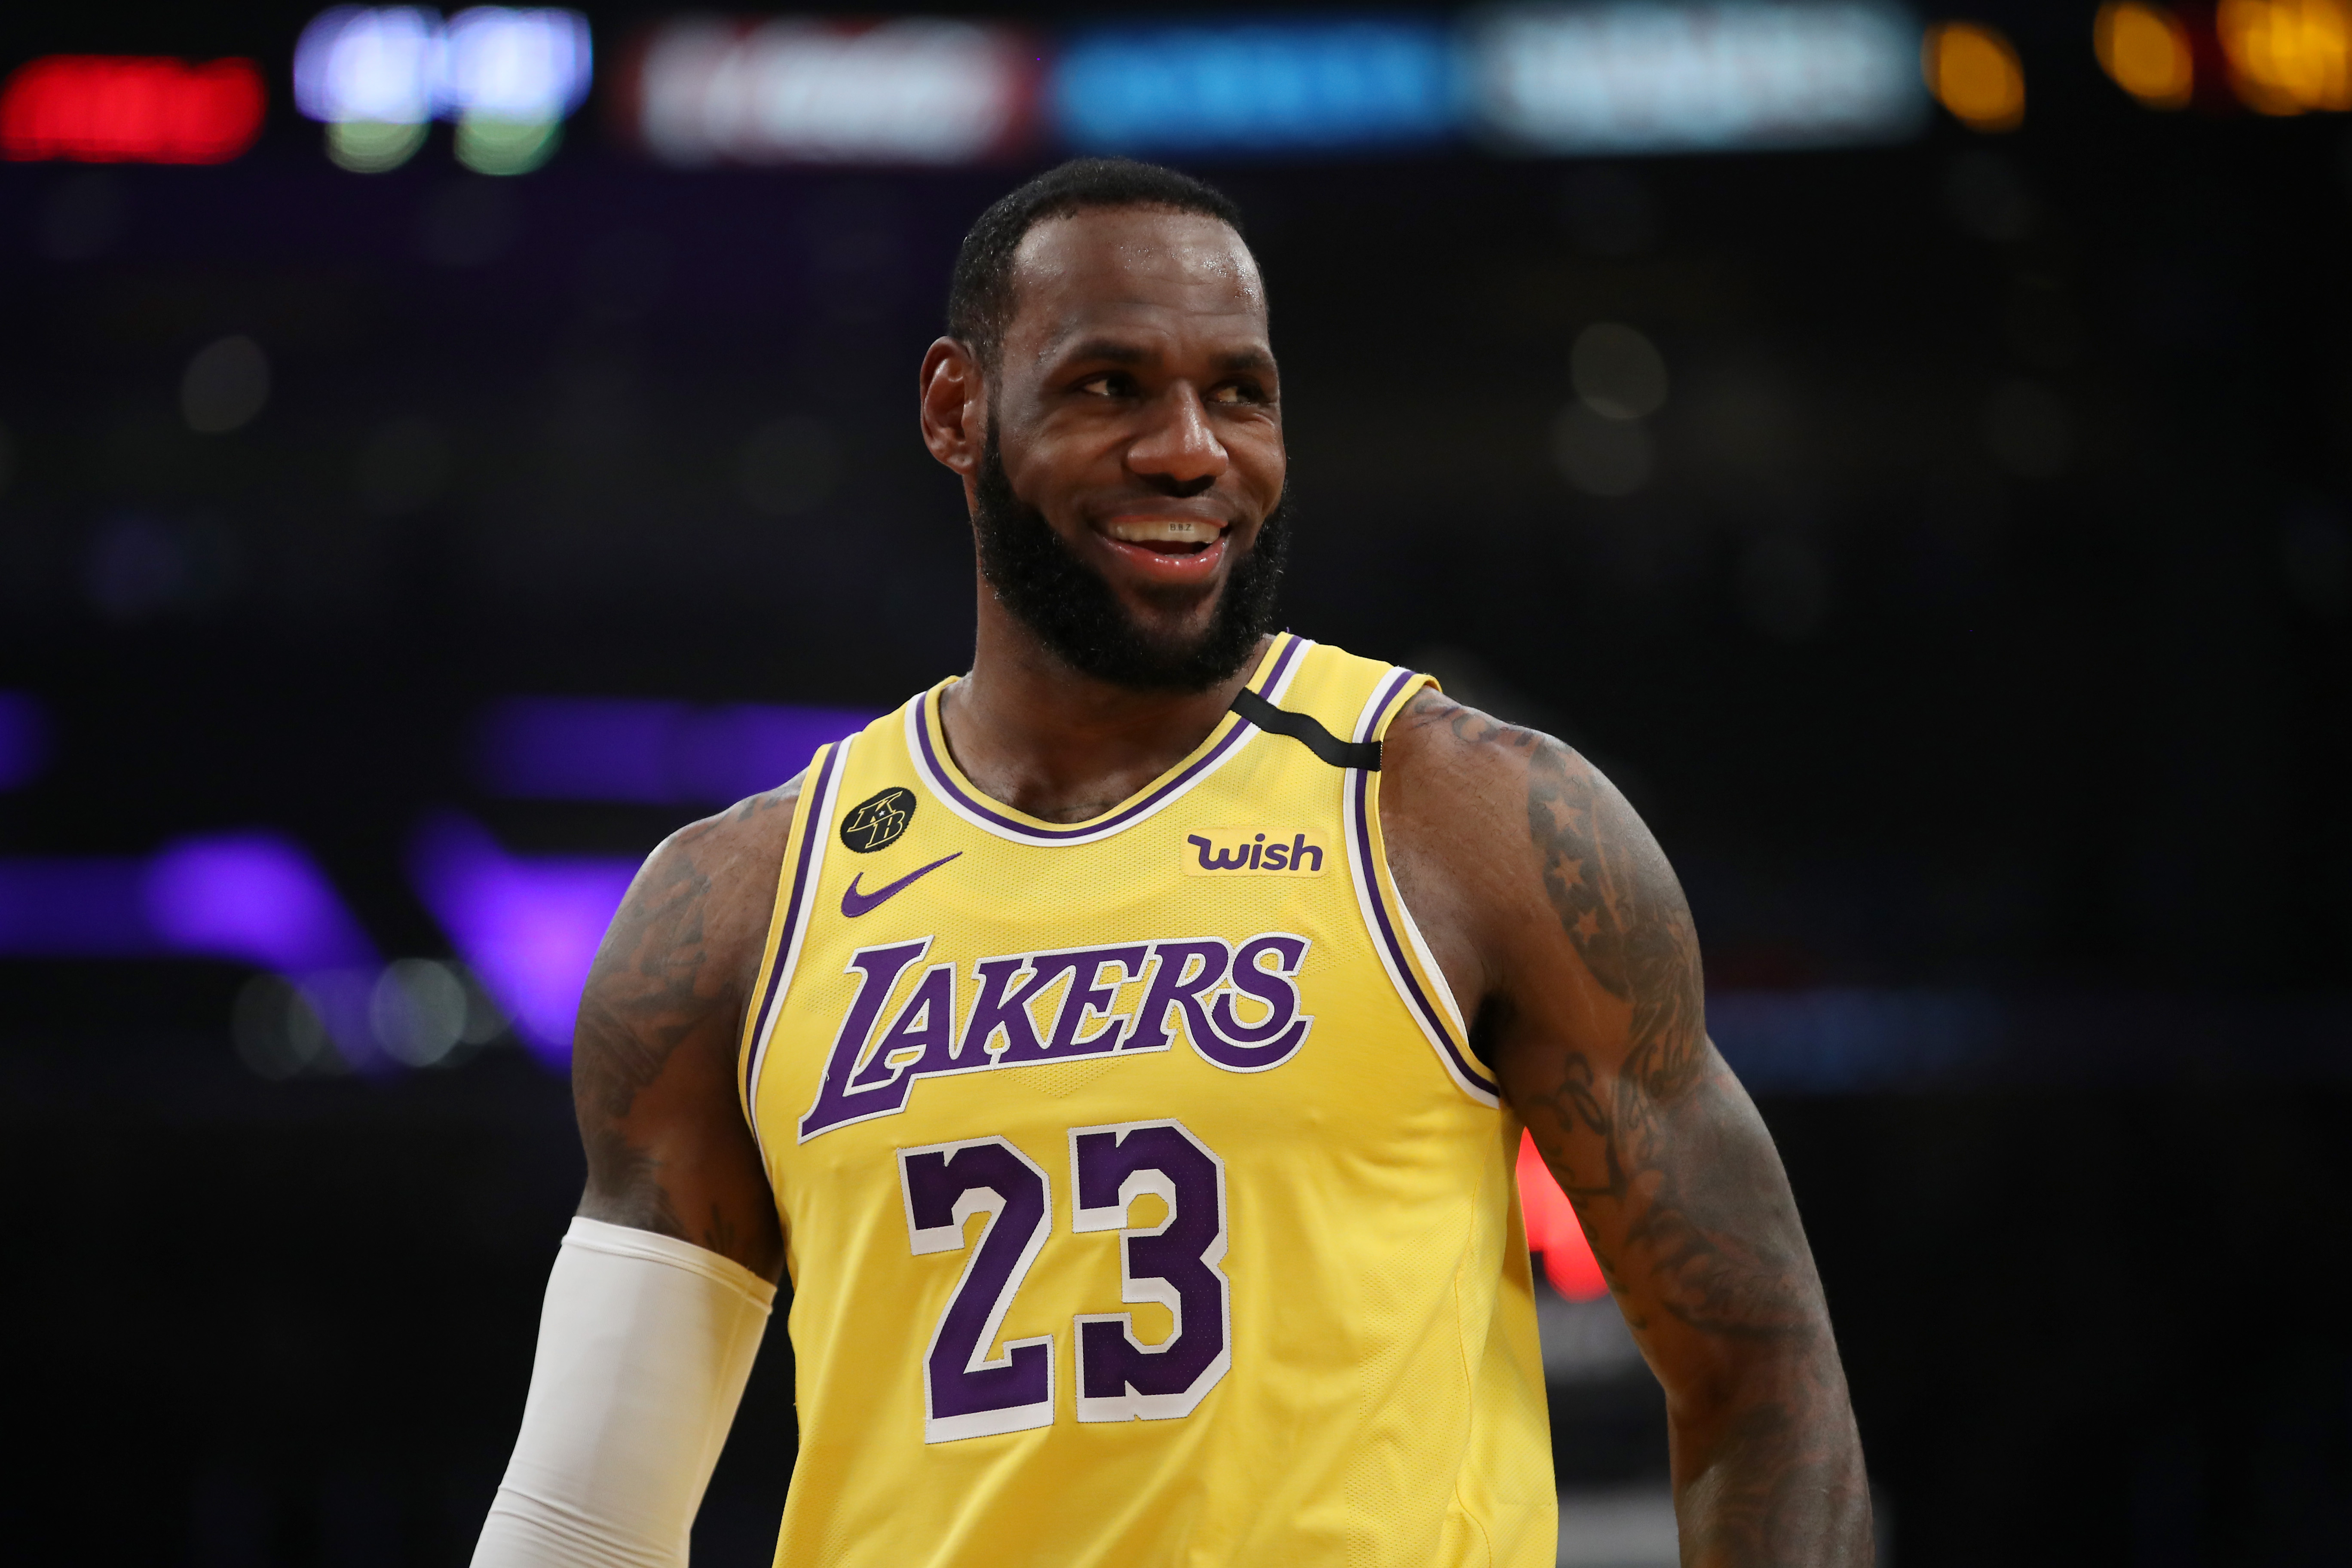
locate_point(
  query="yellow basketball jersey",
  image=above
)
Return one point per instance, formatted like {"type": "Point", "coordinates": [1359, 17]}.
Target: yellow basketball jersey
{"type": "Point", "coordinates": [1146, 1204]}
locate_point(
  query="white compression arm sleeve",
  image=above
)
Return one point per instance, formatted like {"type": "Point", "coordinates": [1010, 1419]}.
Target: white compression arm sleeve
{"type": "Point", "coordinates": [643, 1348]}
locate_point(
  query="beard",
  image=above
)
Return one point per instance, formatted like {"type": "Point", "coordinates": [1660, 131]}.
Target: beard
{"type": "Point", "coordinates": [1075, 612]}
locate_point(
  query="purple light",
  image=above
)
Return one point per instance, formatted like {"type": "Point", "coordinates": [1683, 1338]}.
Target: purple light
{"type": "Point", "coordinates": [658, 753]}
{"type": "Point", "coordinates": [75, 909]}
{"type": "Point", "coordinates": [527, 928]}
{"type": "Point", "coordinates": [23, 739]}
{"type": "Point", "coordinates": [254, 898]}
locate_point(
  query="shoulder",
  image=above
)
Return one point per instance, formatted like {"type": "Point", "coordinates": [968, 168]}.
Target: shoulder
{"type": "Point", "coordinates": [732, 847]}
{"type": "Point", "coordinates": [729, 863]}
{"type": "Point", "coordinates": [703, 898]}
{"type": "Point", "coordinates": [1518, 835]}
{"type": "Point", "coordinates": [1453, 775]}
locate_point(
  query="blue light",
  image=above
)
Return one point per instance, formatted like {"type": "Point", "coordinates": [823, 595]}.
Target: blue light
{"type": "Point", "coordinates": [1635, 75]}
{"type": "Point", "coordinates": [1855, 1040]}
{"type": "Point", "coordinates": [1264, 88]}
{"type": "Point", "coordinates": [402, 65]}
{"type": "Point", "coordinates": [23, 739]}
{"type": "Point", "coordinates": [654, 753]}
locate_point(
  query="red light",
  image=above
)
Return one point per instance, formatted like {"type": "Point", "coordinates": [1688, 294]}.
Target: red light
{"type": "Point", "coordinates": [1553, 1231]}
{"type": "Point", "coordinates": [110, 109]}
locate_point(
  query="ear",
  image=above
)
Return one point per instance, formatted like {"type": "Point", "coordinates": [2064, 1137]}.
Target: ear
{"type": "Point", "coordinates": [953, 406]}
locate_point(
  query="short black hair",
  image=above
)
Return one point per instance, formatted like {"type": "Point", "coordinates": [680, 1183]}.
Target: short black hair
{"type": "Point", "coordinates": [979, 295]}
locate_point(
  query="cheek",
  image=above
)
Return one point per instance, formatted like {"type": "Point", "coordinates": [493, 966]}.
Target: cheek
{"type": "Point", "coordinates": [1054, 461]}
{"type": "Point", "coordinates": [1259, 457]}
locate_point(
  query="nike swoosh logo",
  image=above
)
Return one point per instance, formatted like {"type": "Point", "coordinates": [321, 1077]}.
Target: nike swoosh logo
{"type": "Point", "coordinates": [855, 903]}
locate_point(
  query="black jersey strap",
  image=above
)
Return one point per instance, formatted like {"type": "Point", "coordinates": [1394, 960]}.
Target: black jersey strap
{"type": "Point", "coordinates": [1303, 729]}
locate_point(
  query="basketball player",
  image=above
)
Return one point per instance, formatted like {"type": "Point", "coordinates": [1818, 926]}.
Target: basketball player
{"type": "Point", "coordinates": [1125, 1046]}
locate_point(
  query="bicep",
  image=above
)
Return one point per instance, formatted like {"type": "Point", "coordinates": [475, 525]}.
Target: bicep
{"type": "Point", "coordinates": [1602, 1049]}
{"type": "Point", "coordinates": [1683, 1199]}
{"type": "Point", "coordinates": [655, 1048]}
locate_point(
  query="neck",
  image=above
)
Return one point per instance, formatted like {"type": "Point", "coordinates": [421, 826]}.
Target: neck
{"type": "Point", "coordinates": [1060, 745]}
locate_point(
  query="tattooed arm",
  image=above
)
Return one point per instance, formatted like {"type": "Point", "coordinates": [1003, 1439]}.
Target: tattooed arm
{"type": "Point", "coordinates": [653, 1059]}
{"type": "Point", "coordinates": [1555, 915]}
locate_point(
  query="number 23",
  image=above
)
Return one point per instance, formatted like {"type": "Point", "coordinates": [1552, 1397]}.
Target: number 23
{"type": "Point", "coordinates": [966, 1393]}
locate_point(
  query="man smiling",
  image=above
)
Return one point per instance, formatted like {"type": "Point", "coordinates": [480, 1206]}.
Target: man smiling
{"type": "Point", "coordinates": [1125, 1046]}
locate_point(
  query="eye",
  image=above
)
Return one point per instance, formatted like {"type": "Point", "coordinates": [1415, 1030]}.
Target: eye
{"type": "Point", "coordinates": [1110, 384]}
{"type": "Point", "coordinates": [1237, 392]}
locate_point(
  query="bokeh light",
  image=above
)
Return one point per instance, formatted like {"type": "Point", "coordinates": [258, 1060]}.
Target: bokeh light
{"type": "Point", "coordinates": [253, 896]}
{"type": "Point", "coordinates": [1973, 71]}
{"type": "Point", "coordinates": [225, 386]}
{"type": "Point", "coordinates": [373, 146]}
{"type": "Point", "coordinates": [106, 109]}
{"type": "Point", "coordinates": [2148, 52]}
{"type": "Point", "coordinates": [1553, 1230]}
{"type": "Point", "coordinates": [2287, 57]}
{"type": "Point", "coordinates": [621, 749]}
{"type": "Point", "coordinates": [416, 1011]}
{"type": "Point", "coordinates": [1618, 371]}
{"type": "Point", "coordinates": [23, 739]}
{"type": "Point", "coordinates": [375, 76]}
{"type": "Point", "coordinates": [278, 1032]}
{"type": "Point", "coordinates": [908, 91]}
{"type": "Point", "coordinates": [528, 925]}
{"type": "Point", "coordinates": [1329, 84]}
{"type": "Point", "coordinates": [1599, 455]}
{"type": "Point", "coordinates": [1647, 78]}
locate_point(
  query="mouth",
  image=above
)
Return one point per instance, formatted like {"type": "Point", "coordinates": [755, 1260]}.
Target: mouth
{"type": "Point", "coordinates": [1173, 550]}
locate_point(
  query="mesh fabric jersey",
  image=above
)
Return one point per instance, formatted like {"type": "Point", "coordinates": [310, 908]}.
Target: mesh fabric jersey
{"type": "Point", "coordinates": [1145, 1202]}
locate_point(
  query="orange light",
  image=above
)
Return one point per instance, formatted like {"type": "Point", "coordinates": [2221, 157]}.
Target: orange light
{"type": "Point", "coordinates": [1553, 1231]}
{"type": "Point", "coordinates": [107, 109]}
{"type": "Point", "coordinates": [2147, 50]}
{"type": "Point", "coordinates": [1973, 71]}
{"type": "Point", "coordinates": [2288, 56]}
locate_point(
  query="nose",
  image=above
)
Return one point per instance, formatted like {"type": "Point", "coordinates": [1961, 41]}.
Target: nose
{"type": "Point", "coordinates": [1178, 452]}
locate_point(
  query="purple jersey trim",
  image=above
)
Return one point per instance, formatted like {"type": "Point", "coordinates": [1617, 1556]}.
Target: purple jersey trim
{"type": "Point", "coordinates": [795, 906]}
{"type": "Point", "coordinates": [942, 780]}
{"type": "Point", "coordinates": [1359, 804]}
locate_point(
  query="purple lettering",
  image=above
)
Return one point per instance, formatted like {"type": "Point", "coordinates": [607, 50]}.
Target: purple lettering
{"type": "Point", "coordinates": [837, 1101]}
{"type": "Point", "coordinates": [1171, 987]}
{"type": "Point", "coordinates": [1085, 965]}
{"type": "Point", "coordinates": [1254, 1047]}
{"type": "Point", "coordinates": [1000, 1007]}
{"type": "Point", "coordinates": [1223, 862]}
{"type": "Point", "coordinates": [967, 1392]}
{"type": "Point", "coordinates": [928, 1021]}
{"type": "Point", "coordinates": [1300, 849]}
{"type": "Point", "coordinates": [1176, 1263]}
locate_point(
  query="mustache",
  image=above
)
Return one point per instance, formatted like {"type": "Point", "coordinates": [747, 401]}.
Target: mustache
{"type": "Point", "coordinates": [1075, 612]}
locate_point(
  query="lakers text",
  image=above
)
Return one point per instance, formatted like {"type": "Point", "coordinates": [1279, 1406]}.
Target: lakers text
{"type": "Point", "coordinates": [1235, 1004]}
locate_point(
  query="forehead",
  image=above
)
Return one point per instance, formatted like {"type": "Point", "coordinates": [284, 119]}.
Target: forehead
{"type": "Point", "coordinates": [1133, 269]}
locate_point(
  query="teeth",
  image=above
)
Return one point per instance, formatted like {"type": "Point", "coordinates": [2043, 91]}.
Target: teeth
{"type": "Point", "coordinates": [1163, 530]}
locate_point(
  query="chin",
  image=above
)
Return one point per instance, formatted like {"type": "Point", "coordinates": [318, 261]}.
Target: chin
{"type": "Point", "coordinates": [1171, 611]}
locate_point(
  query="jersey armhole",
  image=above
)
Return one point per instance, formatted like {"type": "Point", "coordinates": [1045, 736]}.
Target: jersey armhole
{"type": "Point", "coordinates": [796, 880]}
{"type": "Point", "coordinates": [1404, 952]}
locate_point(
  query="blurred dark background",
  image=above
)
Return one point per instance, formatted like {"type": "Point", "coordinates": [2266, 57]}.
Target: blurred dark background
{"type": "Point", "coordinates": [1944, 541]}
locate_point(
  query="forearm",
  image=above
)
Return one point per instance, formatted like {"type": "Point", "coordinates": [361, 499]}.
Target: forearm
{"type": "Point", "coordinates": [643, 1348]}
{"type": "Point", "coordinates": [1767, 1464]}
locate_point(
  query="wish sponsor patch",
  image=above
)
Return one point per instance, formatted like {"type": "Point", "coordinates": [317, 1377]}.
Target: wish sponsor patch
{"type": "Point", "coordinates": [1254, 852]}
